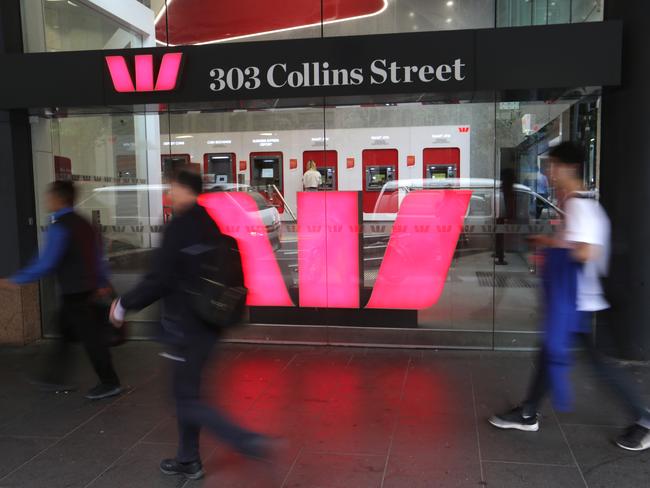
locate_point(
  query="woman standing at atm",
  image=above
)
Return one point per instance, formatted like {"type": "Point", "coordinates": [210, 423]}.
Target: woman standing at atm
{"type": "Point", "coordinates": [312, 178]}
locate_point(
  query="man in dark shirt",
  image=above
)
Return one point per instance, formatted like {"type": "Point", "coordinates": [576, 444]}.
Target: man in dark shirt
{"type": "Point", "coordinates": [190, 340]}
{"type": "Point", "coordinates": [73, 254]}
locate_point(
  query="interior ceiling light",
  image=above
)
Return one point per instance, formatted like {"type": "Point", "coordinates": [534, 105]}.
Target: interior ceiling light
{"type": "Point", "coordinates": [184, 137]}
{"type": "Point", "coordinates": [411, 14]}
{"type": "Point", "coordinates": [450, 3]}
{"type": "Point", "coordinates": [274, 31]}
{"type": "Point", "coordinates": [449, 21]}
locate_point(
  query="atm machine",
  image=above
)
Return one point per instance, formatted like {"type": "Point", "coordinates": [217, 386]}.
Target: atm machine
{"type": "Point", "coordinates": [326, 164]}
{"type": "Point", "coordinates": [441, 162]}
{"type": "Point", "coordinates": [379, 168]}
{"type": "Point", "coordinates": [267, 176]}
{"type": "Point", "coordinates": [219, 168]}
{"type": "Point", "coordinates": [172, 163]}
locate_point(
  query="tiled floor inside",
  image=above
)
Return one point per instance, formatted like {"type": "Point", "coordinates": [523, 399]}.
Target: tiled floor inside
{"type": "Point", "coordinates": [350, 417]}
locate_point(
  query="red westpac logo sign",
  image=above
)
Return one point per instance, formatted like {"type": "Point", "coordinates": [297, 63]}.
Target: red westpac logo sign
{"type": "Point", "coordinates": [411, 276]}
{"type": "Point", "coordinates": [463, 129]}
{"type": "Point", "coordinates": [145, 81]}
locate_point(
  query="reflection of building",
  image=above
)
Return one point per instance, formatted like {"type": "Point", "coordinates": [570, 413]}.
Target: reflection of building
{"type": "Point", "coordinates": [362, 139]}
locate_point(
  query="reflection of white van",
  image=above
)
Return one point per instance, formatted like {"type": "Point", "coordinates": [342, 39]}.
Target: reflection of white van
{"type": "Point", "coordinates": [124, 212]}
{"type": "Point", "coordinates": [268, 213]}
{"type": "Point", "coordinates": [485, 209]}
{"type": "Point", "coordinates": [486, 204]}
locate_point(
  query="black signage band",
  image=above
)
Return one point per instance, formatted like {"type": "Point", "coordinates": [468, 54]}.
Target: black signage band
{"type": "Point", "coordinates": [464, 61]}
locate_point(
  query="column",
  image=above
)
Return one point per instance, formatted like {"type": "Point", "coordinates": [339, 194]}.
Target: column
{"type": "Point", "coordinates": [19, 309]}
{"type": "Point", "coordinates": [625, 187]}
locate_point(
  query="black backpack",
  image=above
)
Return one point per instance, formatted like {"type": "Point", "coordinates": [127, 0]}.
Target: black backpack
{"type": "Point", "coordinates": [217, 291]}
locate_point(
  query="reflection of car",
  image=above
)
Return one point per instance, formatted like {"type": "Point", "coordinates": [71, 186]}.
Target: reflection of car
{"type": "Point", "coordinates": [486, 207]}
{"type": "Point", "coordinates": [486, 203]}
{"type": "Point", "coordinates": [269, 214]}
{"type": "Point", "coordinates": [125, 210]}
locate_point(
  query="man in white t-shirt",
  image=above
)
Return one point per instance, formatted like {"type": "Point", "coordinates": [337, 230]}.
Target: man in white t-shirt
{"type": "Point", "coordinates": [586, 223]}
{"type": "Point", "coordinates": [576, 259]}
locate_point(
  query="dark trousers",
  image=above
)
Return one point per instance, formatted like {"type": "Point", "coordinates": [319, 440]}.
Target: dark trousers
{"type": "Point", "coordinates": [79, 321]}
{"type": "Point", "coordinates": [192, 412]}
{"type": "Point", "coordinates": [615, 377]}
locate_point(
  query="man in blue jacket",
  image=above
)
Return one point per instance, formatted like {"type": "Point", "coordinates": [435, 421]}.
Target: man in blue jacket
{"type": "Point", "coordinates": [73, 254]}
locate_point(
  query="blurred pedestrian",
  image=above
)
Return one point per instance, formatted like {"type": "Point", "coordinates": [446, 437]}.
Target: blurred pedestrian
{"type": "Point", "coordinates": [541, 188]}
{"type": "Point", "coordinates": [73, 254]}
{"type": "Point", "coordinates": [574, 261]}
{"type": "Point", "coordinates": [190, 339]}
{"type": "Point", "coordinates": [507, 213]}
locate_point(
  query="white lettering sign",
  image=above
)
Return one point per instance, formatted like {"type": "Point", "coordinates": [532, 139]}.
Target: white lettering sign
{"type": "Point", "coordinates": [321, 74]}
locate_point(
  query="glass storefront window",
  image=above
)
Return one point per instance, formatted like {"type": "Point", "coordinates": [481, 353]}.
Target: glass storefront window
{"type": "Point", "coordinates": [481, 292]}
{"type": "Point", "coordinates": [422, 203]}
{"type": "Point", "coordinates": [109, 157]}
{"type": "Point", "coordinates": [514, 13]}
{"type": "Point", "coordinates": [66, 25]}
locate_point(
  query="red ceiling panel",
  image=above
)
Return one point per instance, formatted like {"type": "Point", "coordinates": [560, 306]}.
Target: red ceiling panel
{"type": "Point", "coordinates": [201, 21]}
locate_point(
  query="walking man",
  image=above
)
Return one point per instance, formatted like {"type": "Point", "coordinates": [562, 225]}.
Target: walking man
{"type": "Point", "coordinates": [190, 340]}
{"type": "Point", "coordinates": [575, 259]}
{"type": "Point", "coordinates": [73, 253]}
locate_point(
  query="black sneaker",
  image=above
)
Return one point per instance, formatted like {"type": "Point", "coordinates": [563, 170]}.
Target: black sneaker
{"type": "Point", "coordinates": [515, 419]}
{"type": "Point", "coordinates": [103, 391]}
{"type": "Point", "coordinates": [192, 471]}
{"type": "Point", "coordinates": [635, 438]}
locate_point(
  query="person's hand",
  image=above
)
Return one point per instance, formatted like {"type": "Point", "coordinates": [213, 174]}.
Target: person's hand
{"type": "Point", "coordinates": [114, 314]}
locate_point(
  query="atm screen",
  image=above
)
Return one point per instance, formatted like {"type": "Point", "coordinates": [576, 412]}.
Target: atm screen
{"type": "Point", "coordinates": [327, 177]}
{"type": "Point", "coordinates": [267, 172]}
{"type": "Point", "coordinates": [441, 171]}
{"type": "Point", "coordinates": [377, 176]}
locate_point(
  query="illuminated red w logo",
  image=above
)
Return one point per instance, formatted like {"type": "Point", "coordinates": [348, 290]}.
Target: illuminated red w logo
{"type": "Point", "coordinates": [411, 276]}
{"type": "Point", "coordinates": [144, 75]}
{"type": "Point", "coordinates": [463, 129]}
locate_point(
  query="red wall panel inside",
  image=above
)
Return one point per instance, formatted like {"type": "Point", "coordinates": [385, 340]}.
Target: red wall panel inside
{"type": "Point", "coordinates": [193, 21]}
